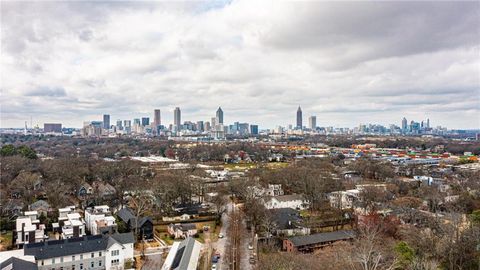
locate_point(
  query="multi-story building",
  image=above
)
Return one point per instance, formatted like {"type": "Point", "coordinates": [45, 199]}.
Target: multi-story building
{"type": "Point", "coordinates": [177, 119]}
{"type": "Point", "coordinates": [99, 219]}
{"type": "Point", "coordinates": [254, 129]}
{"type": "Point", "coordinates": [156, 121]}
{"type": "Point", "coordinates": [312, 122]}
{"type": "Point", "coordinates": [299, 118]}
{"type": "Point", "coordinates": [106, 121]}
{"type": "Point", "coordinates": [219, 116]}
{"type": "Point", "coordinates": [29, 229]}
{"type": "Point", "coordinates": [145, 121]}
{"type": "Point", "coordinates": [96, 252]}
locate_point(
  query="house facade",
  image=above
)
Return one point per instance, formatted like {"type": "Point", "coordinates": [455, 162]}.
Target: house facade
{"type": "Point", "coordinates": [94, 252]}
{"type": "Point", "coordinates": [182, 230]}
{"type": "Point", "coordinates": [286, 201]}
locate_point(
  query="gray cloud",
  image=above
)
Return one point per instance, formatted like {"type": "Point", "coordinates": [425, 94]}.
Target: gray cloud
{"type": "Point", "coordinates": [45, 91]}
{"type": "Point", "coordinates": [345, 62]}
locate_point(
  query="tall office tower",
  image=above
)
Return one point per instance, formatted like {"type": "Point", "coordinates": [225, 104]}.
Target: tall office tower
{"type": "Point", "coordinates": [299, 118]}
{"type": "Point", "coordinates": [119, 125]}
{"type": "Point", "coordinates": [404, 124]}
{"type": "Point", "coordinates": [219, 116]}
{"type": "Point", "coordinates": [200, 126]}
{"type": "Point", "coordinates": [177, 118]}
{"type": "Point", "coordinates": [106, 121]}
{"type": "Point", "coordinates": [213, 122]}
{"type": "Point", "coordinates": [156, 118]}
{"type": "Point", "coordinates": [312, 122]}
{"type": "Point", "coordinates": [136, 122]}
{"type": "Point", "coordinates": [428, 122]}
{"type": "Point", "coordinates": [145, 121]}
{"type": "Point", "coordinates": [254, 129]}
{"type": "Point", "coordinates": [207, 126]}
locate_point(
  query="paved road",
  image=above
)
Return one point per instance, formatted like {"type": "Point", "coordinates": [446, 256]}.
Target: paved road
{"type": "Point", "coordinates": [220, 245]}
{"type": "Point", "coordinates": [245, 253]}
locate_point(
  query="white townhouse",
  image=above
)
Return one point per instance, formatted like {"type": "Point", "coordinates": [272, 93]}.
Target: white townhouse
{"type": "Point", "coordinates": [95, 252]}
{"type": "Point", "coordinates": [295, 201]}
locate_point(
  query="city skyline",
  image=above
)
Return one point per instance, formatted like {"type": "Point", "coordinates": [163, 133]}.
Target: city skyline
{"type": "Point", "coordinates": [418, 60]}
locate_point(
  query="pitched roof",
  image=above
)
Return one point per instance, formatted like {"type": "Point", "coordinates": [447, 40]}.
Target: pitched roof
{"type": "Point", "coordinates": [125, 214]}
{"type": "Point", "coordinates": [18, 264]}
{"type": "Point", "coordinates": [287, 198]}
{"type": "Point", "coordinates": [72, 246]}
{"type": "Point", "coordinates": [124, 238]}
{"type": "Point", "coordinates": [285, 218]}
{"type": "Point", "coordinates": [57, 248]}
{"type": "Point", "coordinates": [184, 226]}
{"type": "Point", "coordinates": [183, 255]}
{"type": "Point", "coordinates": [322, 237]}
{"type": "Point", "coordinates": [39, 204]}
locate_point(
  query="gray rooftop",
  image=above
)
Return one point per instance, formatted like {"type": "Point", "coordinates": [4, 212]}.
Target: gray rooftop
{"type": "Point", "coordinates": [183, 255]}
{"type": "Point", "coordinates": [322, 238]}
{"type": "Point", "coordinates": [15, 263]}
{"type": "Point", "coordinates": [72, 246]}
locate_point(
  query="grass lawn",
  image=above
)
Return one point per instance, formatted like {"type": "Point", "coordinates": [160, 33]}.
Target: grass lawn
{"type": "Point", "coordinates": [6, 240]}
{"type": "Point", "coordinates": [239, 166]}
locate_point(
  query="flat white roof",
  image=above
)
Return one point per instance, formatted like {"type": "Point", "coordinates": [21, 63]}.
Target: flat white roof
{"type": "Point", "coordinates": [154, 159]}
{"type": "Point", "coordinates": [73, 216]}
{"type": "Point", "coordinates": [30, 213]}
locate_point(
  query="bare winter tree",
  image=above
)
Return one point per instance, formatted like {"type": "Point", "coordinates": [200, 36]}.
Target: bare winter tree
{"type": "Point", "coordinates": [370, 251]}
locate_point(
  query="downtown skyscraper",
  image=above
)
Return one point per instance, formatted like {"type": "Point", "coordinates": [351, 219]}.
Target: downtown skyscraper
{"type": "Point", "coordinates": [219, 116]}
{"type": "Point", "coordinates": [177, 118]}
{"type": "Point", "coordinates": [106, 121]}
{"type": "Point", "coordinates": [299, 118]}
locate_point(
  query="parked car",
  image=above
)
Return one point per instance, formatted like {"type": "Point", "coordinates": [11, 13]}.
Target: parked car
{"type": "Point", "coordinates": [214, 267]}
{"type": "Point", "coordinates": [250, 246]}
{"type": "Point", "coordinates": [220, 235]}
{"type": "Point", "coordinates": [215, 259]}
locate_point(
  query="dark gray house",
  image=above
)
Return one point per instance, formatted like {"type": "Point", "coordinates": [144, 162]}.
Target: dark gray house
{"type": "Point", "coordinates": [145, 224]}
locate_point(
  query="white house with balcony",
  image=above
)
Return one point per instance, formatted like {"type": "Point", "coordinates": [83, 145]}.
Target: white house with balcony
{"type": "Point", "coordinates": [28, 229]}
{"type": "Point", "coordinates": [99, 219]}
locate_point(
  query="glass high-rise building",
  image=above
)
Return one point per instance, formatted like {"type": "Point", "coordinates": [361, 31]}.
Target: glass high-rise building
{"type": "Point", "coordinates": [219, 116]}
{"type": "Point", "coordinates": [156, 118]}
{"type": "Point", "coordinates": [145, 121]}
{"type": "Point", "coordinates": [106, 121]}
{"type": "Point", "coordinates": [177, 118]}
{"type": "Point", "coordinates": [312, 122]}
{"type": "Point", "coordinates": [299, 118]}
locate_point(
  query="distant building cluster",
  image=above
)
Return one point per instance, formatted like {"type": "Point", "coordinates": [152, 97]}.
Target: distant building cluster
{"type": "Point", "coordinates": [215, 128]}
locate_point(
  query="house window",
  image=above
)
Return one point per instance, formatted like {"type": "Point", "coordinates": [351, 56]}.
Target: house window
{"type": "Point", "coordinates": [43, 262]}
{"type": "Point", "coordinates": [99, 263]}
{"type": "Point", "coordinates": [81, 257]}
{"type": "Point", "coordinates": [115, 262]}
{"type": "Point", "coordinates": [61, 259]}
{"type": "Point", "coordinates": [73, 266]}
{"type": "Point", "coordinates": [73, 258]}
{"type": "Point", "coordinates": [92, 264]}
{"type": "Point", "coordinates": [115, 252]}
{"type": "Point", "coordinates": [100, 254]}
{"type": "Point", "coordinates": [81, 266]}
{"type": "Point", "coordinates": [53, 261]}
{"type": "Point", "coordinates": [93, 254]}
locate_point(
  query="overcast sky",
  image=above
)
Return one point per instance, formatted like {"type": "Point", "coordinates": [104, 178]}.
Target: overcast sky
{"type": "Point", "coordinates": [346, 63]}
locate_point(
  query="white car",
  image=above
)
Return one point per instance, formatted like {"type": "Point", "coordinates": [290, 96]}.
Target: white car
{"type": "Point", "coordinates": [214, 267]}
{"type": "Point", "coordinates": [220, 235]}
